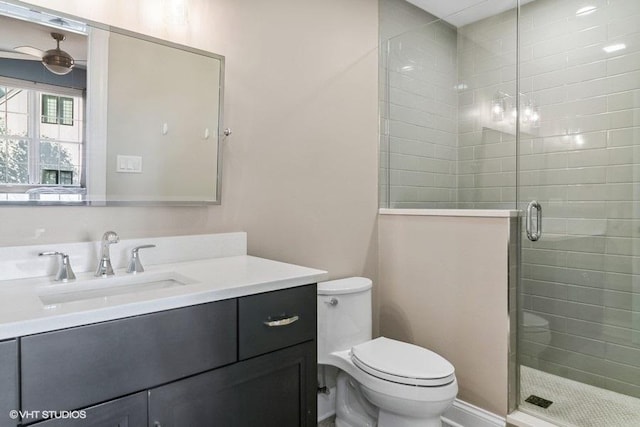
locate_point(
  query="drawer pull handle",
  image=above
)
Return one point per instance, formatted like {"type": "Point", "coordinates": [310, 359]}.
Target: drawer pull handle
{"type": "Point", "coordinates": [282, 322]}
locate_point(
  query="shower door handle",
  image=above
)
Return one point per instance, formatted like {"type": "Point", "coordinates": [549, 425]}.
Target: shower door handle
{"type": "Point", "coordinates": [534, 235]}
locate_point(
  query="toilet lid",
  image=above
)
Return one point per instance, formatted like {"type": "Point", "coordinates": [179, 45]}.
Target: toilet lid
{"type": "Point", "coordinates": [350, 285]}
{"type": "Point", "coordinates": [402, 363]}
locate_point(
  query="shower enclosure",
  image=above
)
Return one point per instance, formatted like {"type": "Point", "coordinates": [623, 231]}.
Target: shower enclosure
{"type": "Point", "coordinates": [535, 106]}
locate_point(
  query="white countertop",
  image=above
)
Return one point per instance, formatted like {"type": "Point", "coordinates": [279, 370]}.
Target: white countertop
{"type": "Point", "coordinates": [22, 312]}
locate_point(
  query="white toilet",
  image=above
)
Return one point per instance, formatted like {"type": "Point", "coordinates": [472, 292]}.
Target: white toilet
{"type": "Point", "coordinates": [383, 382]}
{"type": "Point", "coordinates": [535, 329]}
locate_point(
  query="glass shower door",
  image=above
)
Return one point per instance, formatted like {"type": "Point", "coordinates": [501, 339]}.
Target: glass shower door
{"type": "Point", "coordinates": [579, 158]}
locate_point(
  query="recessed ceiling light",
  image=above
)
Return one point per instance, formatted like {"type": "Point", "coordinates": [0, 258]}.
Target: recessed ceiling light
{"type": "Point", "coordinates": [614, 47]}
{"type": "Point", "coordinates": [583, 11]}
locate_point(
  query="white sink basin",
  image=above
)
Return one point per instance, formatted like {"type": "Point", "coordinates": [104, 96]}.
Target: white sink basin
{"type": "Point", "coordinates": [103, 288]}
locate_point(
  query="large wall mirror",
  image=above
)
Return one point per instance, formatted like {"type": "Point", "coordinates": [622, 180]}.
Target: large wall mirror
{"type": "Point", "coordinates": [124, 119]}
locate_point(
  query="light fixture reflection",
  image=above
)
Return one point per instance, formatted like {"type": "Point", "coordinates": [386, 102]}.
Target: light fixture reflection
{"type": "Point", "coordinates": [614, 47]}
{"type": "Point", "coordinates": [587, 10]}
{"type": "Point", "coordinates": [498, 106]}
{"type": "Point", "coordinates": [57, 60]}
{"type": "Point", "coordinates": [535, 117]}
{"type": "Point", "coordinates": [503, 103]}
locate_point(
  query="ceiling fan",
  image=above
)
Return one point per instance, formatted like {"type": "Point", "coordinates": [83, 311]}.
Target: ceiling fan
{"type": "Point", "coordinates": [55, 60]}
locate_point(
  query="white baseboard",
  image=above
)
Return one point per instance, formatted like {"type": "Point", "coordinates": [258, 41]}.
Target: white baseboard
{"type": "Point", "coordinates": [326, 404]}
{"type": "Point", "coordinates": [521, 419]}
{"type": "Point", "coordinates": [463, 414]}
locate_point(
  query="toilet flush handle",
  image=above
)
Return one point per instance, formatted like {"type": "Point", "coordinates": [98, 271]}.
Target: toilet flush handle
{"type": "Point", "coordinates": [332, 301]}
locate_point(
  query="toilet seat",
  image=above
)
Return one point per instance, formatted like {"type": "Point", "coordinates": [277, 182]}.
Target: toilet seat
{"type": "Point", "coordinates": [402, 363]}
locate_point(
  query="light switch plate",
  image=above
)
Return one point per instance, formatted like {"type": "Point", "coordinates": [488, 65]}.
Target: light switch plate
{"type": "Point", "coordinates": [129, 164]}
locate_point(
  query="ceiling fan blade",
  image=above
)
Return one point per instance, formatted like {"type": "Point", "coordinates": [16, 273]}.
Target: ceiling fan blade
{"type": "Point", "coordinates": [29, 50]}
{"type": "Point", "coordinates": [12, 54]}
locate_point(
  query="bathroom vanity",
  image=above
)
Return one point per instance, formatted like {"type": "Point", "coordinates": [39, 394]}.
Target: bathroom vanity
{"type": "Point", "coordinates": [234, 345]}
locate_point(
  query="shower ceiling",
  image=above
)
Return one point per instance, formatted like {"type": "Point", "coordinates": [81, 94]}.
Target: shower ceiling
{"type": "Point", "coordinates": [463, 12]}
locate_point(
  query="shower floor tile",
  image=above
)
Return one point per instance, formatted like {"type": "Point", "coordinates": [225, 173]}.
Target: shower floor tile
{"type": "Point", "coordinates": [576, 404]}
{"type": "Point", "coordinates": [329, 422]}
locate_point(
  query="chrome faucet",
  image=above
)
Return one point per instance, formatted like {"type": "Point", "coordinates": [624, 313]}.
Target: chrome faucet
{"type": "Point", "coordinates": [135, 266]}
{"type": "Point", "coordinates": [104, 264]}
{"type": "Point", "coordinates": [65, 273]}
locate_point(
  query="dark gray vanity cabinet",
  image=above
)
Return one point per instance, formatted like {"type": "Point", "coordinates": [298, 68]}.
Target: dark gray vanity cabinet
{"type": "Point", "coordinates": [77, 367]}
{"type": "Point", "coordinates": [274, 390]}
{"type": "Point", "coordinates": [242, 362]}
{"type": "Point", "coordinates": [8, 382]}
{"type": "Point", "coordinates": [130, 411]}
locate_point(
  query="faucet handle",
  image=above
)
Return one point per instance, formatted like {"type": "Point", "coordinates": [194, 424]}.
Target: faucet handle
{"type": "Point", "coordinates": [110, 237]}
{"type": "Point", "coordinates": [65, 272]}
{"type": "Point", "coordinates": [135, 266]}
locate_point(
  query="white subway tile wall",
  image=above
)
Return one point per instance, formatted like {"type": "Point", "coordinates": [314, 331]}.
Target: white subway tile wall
{"type": "Point", "coordinates": [583, 166]}
{"type": "Point", "coordinates": [419, 108]}
{"type": "Point", "coordinates": [486, 167]}
{"type": "Point", "coordinates": [581, 161]}
{"type": "Point", "coordinates": [439, 147]}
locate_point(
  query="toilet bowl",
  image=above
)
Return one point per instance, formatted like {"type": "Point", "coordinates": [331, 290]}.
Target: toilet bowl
{"type": "Point", "coordinates": [383, 382]}
{"type": "Point", "coordinates": [536, 330]}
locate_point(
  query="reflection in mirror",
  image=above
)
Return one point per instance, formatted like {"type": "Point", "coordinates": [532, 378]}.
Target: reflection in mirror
{"type": "Point", "coordinates": [128, 120]}
{"type": "Point", "coordinates": [164, 144]}
{"type": "Point", "coordinates": [42, 114]}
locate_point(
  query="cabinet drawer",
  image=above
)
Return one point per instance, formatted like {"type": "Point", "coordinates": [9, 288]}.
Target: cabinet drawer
{"type": "Point", "coordinates": [78, 367]}
{"type": "Point", "coordinates": [256, 337]}
{"type": "Point", "coordinates": [8, 381]}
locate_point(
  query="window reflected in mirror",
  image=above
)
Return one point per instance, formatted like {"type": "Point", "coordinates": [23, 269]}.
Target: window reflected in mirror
{"type": "Point", "coordinates": [41, 142]}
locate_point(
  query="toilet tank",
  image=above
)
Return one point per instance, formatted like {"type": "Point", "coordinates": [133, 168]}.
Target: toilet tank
{"type": "Point", "coordinates": [344, 314]}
